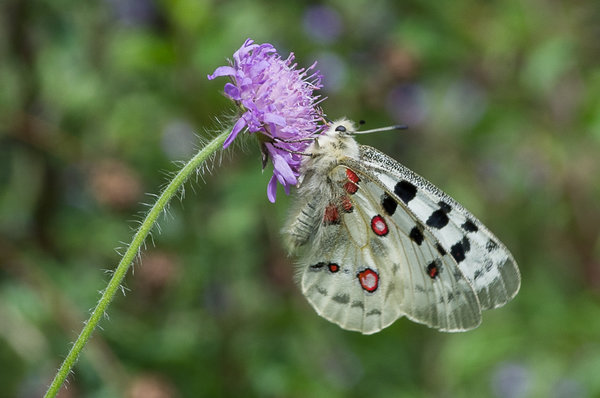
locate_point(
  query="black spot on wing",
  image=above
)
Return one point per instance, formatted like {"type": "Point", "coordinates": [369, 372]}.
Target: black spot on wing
{"type": "Point", "coordinates": [322, 290]}
{"type": "Point", "coordinates": [440, 249]}
{"type": "Point", "coordinates": [438, 219]}
{"type": "Point", "coordinates": [405, 191]}
{"type": "Point", "coordinates": [466, 244]}
{"type": "Point", "coordinates": [491, 245]}
{"type": "Point", "coordinates": [341, 298]}
{"type": "Point", "coordinates": [469, 226]}
{"type": "Point", "coordinates": [358, 304]}
{"type": "Point", "coordinates": [389, 204]}
{"type": "Point", "coordinates": [434, 268]}
{"type": "Point", "coordinates": [445, 207]}
{"type": "Point", "coordinates": [458, 252]}
{"type": "Point", "coordinates": [416, 234]}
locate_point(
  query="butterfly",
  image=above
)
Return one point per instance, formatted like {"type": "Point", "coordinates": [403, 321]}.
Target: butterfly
{"type": "Point", "coordinates": [377, 242]}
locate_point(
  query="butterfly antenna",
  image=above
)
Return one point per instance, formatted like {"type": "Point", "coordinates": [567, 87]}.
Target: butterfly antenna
{"type": "Point", "coordinates": [387, 128]}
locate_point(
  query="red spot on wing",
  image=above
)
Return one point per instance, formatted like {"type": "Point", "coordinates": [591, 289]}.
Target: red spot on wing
{"type": "Point", "coordinates": [352, 176]}
{"type": "Point", "coordinates": [379, 226]}
{"type": "Point", "coordinates": [433, 269]}
{"type": "Point", "coordinates": [347, 204]}
{"type": "Point", "coordinates": [369, 280]}
{"type": "Point", "coordinates": [433, 272]}
{"type": "Point", "coordinates": [350, 187]}
{"type": "Point", "coordinates": [332, 215]}
{"type": "Point", "coordinates": [333, 267]}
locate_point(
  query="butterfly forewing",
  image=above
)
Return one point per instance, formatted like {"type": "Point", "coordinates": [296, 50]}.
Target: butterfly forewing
{"type": "Point", "coordinates": [423, 283]}
{"type": "Point", "coordinates": [480, 256]}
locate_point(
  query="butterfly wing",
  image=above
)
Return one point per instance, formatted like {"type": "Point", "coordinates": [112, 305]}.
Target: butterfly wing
{"type": "Point", "coordinates": [364, 268]}
{"type": "Point", "coordinates": [483, 260]}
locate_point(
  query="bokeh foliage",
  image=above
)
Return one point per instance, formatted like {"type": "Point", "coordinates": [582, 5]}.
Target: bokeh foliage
{"type": "Point", "coordinates": [99, 99]}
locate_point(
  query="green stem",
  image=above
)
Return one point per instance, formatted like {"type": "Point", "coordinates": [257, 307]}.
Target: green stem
{"type": "Point", "coordinates": [132, 251]}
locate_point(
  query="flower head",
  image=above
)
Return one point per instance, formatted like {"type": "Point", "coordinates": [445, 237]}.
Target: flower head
{"type": "Point", "coordinates": [278, 103]}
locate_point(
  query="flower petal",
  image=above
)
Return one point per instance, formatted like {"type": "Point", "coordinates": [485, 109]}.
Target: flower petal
{"type": "Point", "coordinates": [237, 127]}
{"type": "Point", "coordinates": [232, 92]}
{"type": "Point", "coordinates": [244, 50]}
{"type": "Point", "coordinates": [222, 71]}
{"type": "Point", "coordinates": [272, 189]}
{"type": "Point", "coordinates": [274, 118]}
{"type": "Point", "coordinates": [283, 168]}
{"type": "Point", "coordinates": [260, 67]}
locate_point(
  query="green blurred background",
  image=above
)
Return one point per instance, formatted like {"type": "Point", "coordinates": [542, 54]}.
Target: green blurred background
{"type": "Point", "coordinates": [98, 99]}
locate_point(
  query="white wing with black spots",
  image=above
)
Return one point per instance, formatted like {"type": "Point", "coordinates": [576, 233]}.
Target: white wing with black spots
{"type": "Point", "coordinates": [378, 242]}
{"type": "Point", "coordinates": [482, 258]}
{"type": "Point", "coordinates": [433, 290]}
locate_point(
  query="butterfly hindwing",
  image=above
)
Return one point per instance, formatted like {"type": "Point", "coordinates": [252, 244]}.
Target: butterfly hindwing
{"type": "Point", "coordinates": [341, 278]}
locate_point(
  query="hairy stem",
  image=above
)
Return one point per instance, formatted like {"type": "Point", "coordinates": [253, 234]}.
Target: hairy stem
{"type": "Point", "coordinates": [129, 256]}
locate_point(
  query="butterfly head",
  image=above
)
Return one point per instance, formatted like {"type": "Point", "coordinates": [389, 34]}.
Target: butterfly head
{"type": "Point", "coordinates": [346, 128]}
{"type": "Point", "coordinates": [329, 149]}
{"type": "Point", "coordinates": [336, 141]}
{"type": "Point", "coordinates": [341, 128]}
{"type": "Point", "coordinates": [334, 146]}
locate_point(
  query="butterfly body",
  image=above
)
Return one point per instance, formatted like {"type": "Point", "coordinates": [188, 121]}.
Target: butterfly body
{"type": "Point", "coordinates": [377, 242]}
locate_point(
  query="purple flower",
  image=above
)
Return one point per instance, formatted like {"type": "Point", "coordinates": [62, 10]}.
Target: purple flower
{"type": "Point", "coordinates": [277, 102]}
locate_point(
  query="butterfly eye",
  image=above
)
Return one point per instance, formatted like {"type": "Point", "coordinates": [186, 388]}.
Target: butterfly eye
{"type": "Point", "coordinates": [341, 129]}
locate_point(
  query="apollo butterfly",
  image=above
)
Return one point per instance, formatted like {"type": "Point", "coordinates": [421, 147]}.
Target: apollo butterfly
{"type": "Point", "coordinates": [377, 242]}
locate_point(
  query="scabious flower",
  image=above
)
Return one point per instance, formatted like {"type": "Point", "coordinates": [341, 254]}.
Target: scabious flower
{"type": "Point", "coordinates": [277, 102]}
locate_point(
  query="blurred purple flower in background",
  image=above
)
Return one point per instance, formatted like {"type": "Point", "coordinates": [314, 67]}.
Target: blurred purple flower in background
{"type": "Point", "coordinates": [135, 12]}
{"type": "Point", "coordinates": [277, 102]}
{"type": "Point", "coordinates": [406, 103]}
{"type": "Point", "coordinates": [334, 70]}
{"type": "Point", "coordinates": [511, 380]}
{"type": "Point", "coordinates": [322, 23]}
